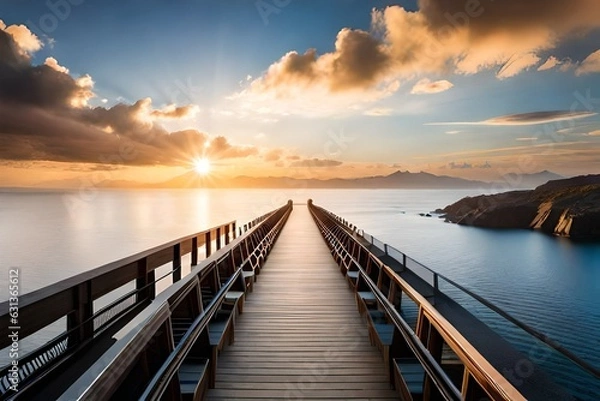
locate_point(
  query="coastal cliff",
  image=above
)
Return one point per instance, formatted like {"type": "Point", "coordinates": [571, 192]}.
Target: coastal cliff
{"type": "Point", "coordinates": [569, 208]}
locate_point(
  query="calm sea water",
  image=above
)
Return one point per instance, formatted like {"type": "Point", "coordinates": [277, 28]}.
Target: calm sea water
{"type": "Point", "coordinates": [550, 283]}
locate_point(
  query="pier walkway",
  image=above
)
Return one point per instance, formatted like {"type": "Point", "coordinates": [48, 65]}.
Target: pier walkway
{"type": "Point", "coordinates": [300, 336]}
{"type": "Point", "coordinates": [296, 304]}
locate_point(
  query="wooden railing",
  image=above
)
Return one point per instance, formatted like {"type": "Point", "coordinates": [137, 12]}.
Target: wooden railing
{"type": "Point", "coordinates": [354, 253]}
{"type": "Point", "coordinates": [72, 300]}
{"type": "Point", "coordinates": [561, 358]}
{"type": "Point", "coordinates": [146, 345]}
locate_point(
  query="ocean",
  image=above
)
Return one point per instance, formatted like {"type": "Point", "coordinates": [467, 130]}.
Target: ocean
{"type": "Point", "coordinates": [552, 284]}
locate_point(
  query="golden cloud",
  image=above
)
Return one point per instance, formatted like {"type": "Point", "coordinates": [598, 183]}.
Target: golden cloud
{"type": "Point", "coordinates": [590, 65]}
{"type": "Point", "coordinates": [27, 42]}
{"type": "Point", "coordinates": [442, 37]}
{"type": "Point", "coordinates": [173, 112]}
{"type": "Point", "coordinates": [53, 63]}
{"type": "Point", "coordinates": [426, 86]}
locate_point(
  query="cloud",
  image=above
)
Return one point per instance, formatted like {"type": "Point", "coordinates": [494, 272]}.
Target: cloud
{"type": "Point", "coordinates": [316, 163]}
{"type": "Point", "coordinates": [379, 112]}
{"type": "Point", "coordinates": [174, 112]}
{"type": "Point", "coordinates": [358, 61]}
{"type": "Point", "coordinates": [53, 63]}
{"type": "Point", "coordinates": [594, 133]}
{"type": "Point", "coordinates": [576, 129]}
{"type": "Point", "coordinates": [461, 166]}
{"type": "Point", "coordinates": [273, 155]}
{"type": "Point", "coordinates": [453, 132]}
{"type": "Point", "coordinates": [45, 115]}
{"type": "Point", "coordinates": [567, 64]}
{"type": "Point", "coordinates": [220, 147]}
{"type": "Point", "coordinates": [549, 64]}
{"type": "Point", "coordinates": [84, 93]}
{"type": "Point", "coordinates": [42, 86]}
{"type": "Point", "coordinates": [527, 139]}
{"type": "Point", "coordinates": [535, 118]}
{"type": "Point", "coordinates": [426, 86]}
{"type": "Point", "coordinates": [26, 42]}
{"type": "Point", "coordinates": [590, 65]}
{"type": "Point", "coordinates": [467, 166]}
{"type": "Point", "coordinates": [517, 64]}
{"type": "Point", "coordinates": [443, 36]}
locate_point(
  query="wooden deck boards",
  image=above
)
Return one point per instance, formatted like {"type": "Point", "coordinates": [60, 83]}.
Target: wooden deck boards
{"type": "Point", "coordinates": [300, 336]}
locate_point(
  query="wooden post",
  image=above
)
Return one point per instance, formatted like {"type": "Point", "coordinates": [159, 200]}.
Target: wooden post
{"type": "Point", "coordinates": [80, 319]}
{"type": "Point", "coordinates": [207, 244]}
{"type": "Point", "coordinates": [435, 344]}
{"type": "Point", "coordinates": [218, 238]}
{"type": "Point", "coordinates": [145, 278]}
{"type": "Point", "coordinates": [227, 227]}
{"type": "Point", "coordinates": [392, 291]}
{"type": "Point", "coordinates": [176, 263]}
{"type": "Point", "coordinates": [194, 251]}
{"type": "Point", "coordinates": [233, 228]}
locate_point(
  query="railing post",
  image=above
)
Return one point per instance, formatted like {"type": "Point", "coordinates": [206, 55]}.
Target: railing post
{"type": "Point", "coordinates": [145, 278]}
{"type": "Point", "coordinates": [234, 229]}
{"type": "Point", "coordinates": [207, 244]}
{"type": "Point", "coordinates": [194, 251]}
{"type": "Point", "coordinates": [435, 281]}
{"type": "Point", "coordinates": [385, 248]}
{"type": "Point", "coordinates": [227, 234]}
{"type": "Point", "coordinates": [218, 238]}
{"type": "Point", "coordinates": [404, 260]}
{"type": "Point", "coordinates": [80, 319]}
{"type": "Point", "coordinates": [176, 263]}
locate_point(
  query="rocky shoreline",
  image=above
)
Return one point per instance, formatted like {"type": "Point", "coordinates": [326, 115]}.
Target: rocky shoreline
{"type": "Point", "coordinates": [568, 208]}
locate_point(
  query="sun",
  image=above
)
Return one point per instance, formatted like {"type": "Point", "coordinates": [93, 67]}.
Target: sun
{"type": "Point", "coordinates": [202, 166]}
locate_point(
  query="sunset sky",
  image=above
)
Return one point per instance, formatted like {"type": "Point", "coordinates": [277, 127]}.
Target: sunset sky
{"type": "Point", "coordinates": [138, 90]}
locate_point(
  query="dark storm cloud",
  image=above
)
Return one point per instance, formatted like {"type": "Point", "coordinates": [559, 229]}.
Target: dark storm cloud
{"type": "Point", "coordinates": [44, 116]}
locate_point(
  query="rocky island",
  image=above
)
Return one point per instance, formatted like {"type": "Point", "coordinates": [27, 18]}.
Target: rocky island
{"type": "Point", "coordinates": [568, 207]}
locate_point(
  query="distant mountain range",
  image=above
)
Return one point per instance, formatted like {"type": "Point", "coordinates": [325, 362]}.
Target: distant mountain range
{"type": "Point", "coordinates": [399, 179]}
{"type": "Point", "coordinates": [530, 180]}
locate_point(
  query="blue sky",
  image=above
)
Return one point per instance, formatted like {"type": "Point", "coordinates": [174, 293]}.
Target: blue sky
{"type": "Point", "coordinates": [229, 67]}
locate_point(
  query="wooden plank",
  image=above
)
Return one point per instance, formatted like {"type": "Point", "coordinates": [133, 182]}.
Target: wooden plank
{"type": "Point", "coordinates": [300, 335]}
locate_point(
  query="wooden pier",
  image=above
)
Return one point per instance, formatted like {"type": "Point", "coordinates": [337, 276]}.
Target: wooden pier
{"type": "Point", "coordinates": [297, 304]}
{"type": "Point", "coordinates": [300, 336]}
